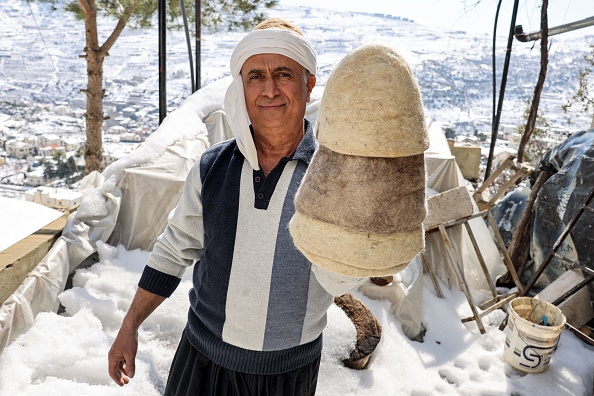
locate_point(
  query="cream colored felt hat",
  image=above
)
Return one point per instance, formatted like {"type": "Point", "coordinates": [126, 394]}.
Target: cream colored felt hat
{"type": "Point", "coordinates": [338, 249]}
{"type": "Point", "coordinates": [372, 106]}
{"type": "Point", "coordinates": [369, 195]}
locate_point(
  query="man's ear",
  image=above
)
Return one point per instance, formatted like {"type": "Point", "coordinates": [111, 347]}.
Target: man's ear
{"type": "Point", "coordinates": [311, 83]}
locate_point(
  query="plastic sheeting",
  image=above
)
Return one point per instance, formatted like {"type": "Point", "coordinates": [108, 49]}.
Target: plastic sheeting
{"type": "Point", "coordinates": [559, 200]}
{"type": "Point", "coordinates": [127, 197]}
{"type": "Point", "coordinates": [443, 174]}
{"type": "Point", "coordinates": [405, 295]}
{"type": "Point", "coordinates": [508, 210]}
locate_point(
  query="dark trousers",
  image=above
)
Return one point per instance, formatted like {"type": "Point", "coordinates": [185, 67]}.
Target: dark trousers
{"type": "Point", "coordinates": [194, 374]}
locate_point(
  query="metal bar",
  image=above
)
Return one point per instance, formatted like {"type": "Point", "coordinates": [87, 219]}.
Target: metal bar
{"type": "Point", "coordinates": [580, 334]}
{"type": "Point", "coordinates": [198, 42]}
{"type": "Point", "coordinates": [568, 27]}
{"type": "Point", "coordinates": [574, 263]}
{"type": "Point", "coordinates": [573, 290]}
{"type": "Point", "coordinates": [162, 16]}
{"type": "Point", "coordinates": [182, 5]}
{"type": "Point", "coordinates": [495, 126]}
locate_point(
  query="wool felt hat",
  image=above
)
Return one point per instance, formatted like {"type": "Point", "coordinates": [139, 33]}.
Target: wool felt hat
{"type": "Point", "coordinates": [372, 106]}
{"type": "Point", "coordinates": [360, 208]}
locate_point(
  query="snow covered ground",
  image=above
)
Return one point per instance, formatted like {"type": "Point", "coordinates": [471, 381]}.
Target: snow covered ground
{"type": "Point", "coordinates": [66, 354]}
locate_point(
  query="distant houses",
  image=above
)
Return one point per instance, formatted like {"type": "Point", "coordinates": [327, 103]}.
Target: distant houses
{"type": "Point", "coordinates": [59, 198]}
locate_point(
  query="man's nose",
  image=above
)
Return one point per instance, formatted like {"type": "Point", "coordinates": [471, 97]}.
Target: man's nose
{"type": "Point", "coordinates": [270, 88]}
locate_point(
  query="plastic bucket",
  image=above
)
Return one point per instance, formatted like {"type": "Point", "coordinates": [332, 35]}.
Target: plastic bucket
{"type": "Point", "coordinates": [529, 344]}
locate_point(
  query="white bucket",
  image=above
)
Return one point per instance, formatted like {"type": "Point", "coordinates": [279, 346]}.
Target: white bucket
{"type": "Point", "coordinates": [529, 344]}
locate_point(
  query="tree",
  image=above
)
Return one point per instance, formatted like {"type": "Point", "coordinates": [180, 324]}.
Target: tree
{"type": "Point", "coordinates": [544, 62]}
{"type": "Point", "coordinates": [538, 145]}
{"type": "Point", "coordinates": [139, 14]}
{"type": "Point", "coordinates": [583, 95]}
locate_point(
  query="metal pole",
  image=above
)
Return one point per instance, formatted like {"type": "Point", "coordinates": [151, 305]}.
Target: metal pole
{"type": "Point", "coordinates": [198, 40]}
{"type": "Point", "coordinates": [162, 14]}
{"type": "Point", "coordinates": [502, 89]}
{"type": "Point", "coordinates": [568, 27]}
{"type": "Point", "coordinates": [182, 5]}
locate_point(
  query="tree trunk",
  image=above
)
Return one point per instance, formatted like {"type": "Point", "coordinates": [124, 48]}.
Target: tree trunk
{"type": "Point", "coordinates": [369, 331]}
{"type": "Point", "coordinates": [94, 115]}
{"type": "Point", "coordinates": [95, 54]}
{"type": "Point", "coordinates": [519, 246]}
{"type": "Point", "coordinates": [544, 60]}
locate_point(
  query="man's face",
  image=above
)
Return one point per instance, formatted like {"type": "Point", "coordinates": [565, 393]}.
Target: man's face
{"type": "Point", "coordinates": [276, 91]}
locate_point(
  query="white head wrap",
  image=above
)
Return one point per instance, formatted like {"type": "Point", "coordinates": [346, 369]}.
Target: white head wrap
{"type": "Point", "coordinates": [265, 41]}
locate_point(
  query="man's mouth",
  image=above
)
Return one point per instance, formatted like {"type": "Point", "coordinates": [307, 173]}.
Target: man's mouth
{"type": "Point", "coordinates": [272, 106]}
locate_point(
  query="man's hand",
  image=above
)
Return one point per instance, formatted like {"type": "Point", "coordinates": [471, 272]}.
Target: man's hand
{"type": "Point", "coordinates": [122, 356]}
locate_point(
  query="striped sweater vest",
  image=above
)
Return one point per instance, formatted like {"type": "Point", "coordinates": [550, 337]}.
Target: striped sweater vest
{"type": "Point", "coordinates": [255, 305]}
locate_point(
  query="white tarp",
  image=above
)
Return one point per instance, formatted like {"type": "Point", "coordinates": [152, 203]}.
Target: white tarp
{"type": "Point", "coordinates": [129, 202]}
{"type": "Point", "coordinates": [123, 195]}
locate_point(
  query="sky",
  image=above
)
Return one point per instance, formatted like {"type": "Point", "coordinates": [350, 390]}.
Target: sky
{"type": "Point", "coordinates": [470, 15]}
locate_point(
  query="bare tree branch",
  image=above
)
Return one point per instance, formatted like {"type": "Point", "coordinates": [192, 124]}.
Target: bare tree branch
{"type": "Point", "coordinates": [544, 61]}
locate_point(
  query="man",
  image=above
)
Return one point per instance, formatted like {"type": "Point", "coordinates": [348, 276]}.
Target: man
{"type": "Point", "coordinates": [257, 306]}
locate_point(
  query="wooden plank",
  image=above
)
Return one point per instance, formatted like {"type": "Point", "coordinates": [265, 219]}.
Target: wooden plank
{"type": "Point", "coordinates": [460, 273]}
{"type": "Point", "coordinates": [18, 260]}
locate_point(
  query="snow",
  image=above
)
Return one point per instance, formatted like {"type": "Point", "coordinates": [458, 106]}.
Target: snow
{"type": "Point", "coordinates": [21, 218]}
{"type": "Point", "coordinates": [66, 353]}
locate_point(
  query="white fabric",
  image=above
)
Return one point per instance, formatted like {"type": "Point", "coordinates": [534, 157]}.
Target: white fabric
{"type": "Point", "coordinates": [266, 41]}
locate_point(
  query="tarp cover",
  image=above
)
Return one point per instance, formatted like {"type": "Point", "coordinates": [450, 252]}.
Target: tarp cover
{"type": "Point", "coordinates": [558, 201]}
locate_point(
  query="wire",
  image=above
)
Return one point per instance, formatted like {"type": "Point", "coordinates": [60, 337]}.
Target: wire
{"type": "Point", "coordinates": [495, 125]}
{"type": "Point", "coordinates": [46, 48]}
{"type": "Point", "coordinates": [494, 75]}
{"type": "Point", "coordinates": [494, 80]}
{"type": "Point", "coordinates": [185, 18]}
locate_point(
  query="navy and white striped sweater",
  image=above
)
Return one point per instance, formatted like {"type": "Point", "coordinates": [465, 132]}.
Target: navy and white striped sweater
{"type": "Point", "coordinates": [257, 304]}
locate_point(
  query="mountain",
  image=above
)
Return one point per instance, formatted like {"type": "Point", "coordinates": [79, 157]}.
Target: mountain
{"type": "Point", "coordinates": [42, 73]}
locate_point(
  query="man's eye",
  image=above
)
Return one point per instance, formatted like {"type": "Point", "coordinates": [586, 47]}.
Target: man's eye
{"type": "Point", "coordinates": [254, 77]}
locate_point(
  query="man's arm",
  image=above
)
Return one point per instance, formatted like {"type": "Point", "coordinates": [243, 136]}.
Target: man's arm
{"type": "Point", "coordinates": [336, 284]}
{"type": "Point", "coordinates": [122, 354]}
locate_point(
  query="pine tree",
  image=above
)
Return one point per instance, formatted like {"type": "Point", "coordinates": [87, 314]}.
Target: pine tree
{"type": "Point", "coordinates": [216, 14]}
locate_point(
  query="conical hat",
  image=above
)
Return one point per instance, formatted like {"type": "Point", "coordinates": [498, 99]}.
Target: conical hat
{"type": "Point", "coordinates": [372, 106]}
{"type": "Point", "coordinates": [340, 250]}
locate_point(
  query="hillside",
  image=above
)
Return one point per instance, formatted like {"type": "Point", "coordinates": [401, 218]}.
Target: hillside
{"type": "Point", "coordinates": [42, 73]}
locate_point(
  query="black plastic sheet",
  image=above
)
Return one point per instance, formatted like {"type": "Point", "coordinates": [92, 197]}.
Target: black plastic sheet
{"type": "Point", "coordinates": [572, 165]}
